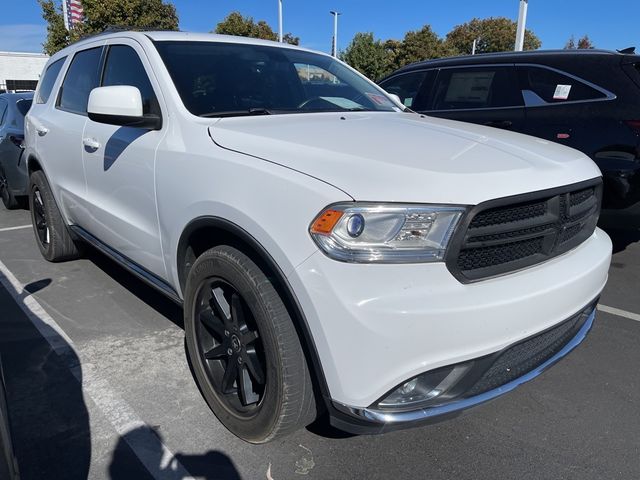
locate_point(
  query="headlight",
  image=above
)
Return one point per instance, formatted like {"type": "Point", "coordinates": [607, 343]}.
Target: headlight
{"type": "Point", "coordinates": [385, 233]}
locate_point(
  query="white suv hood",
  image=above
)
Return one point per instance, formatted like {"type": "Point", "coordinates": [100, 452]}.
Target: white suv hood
{"type": "Point", "coordinates": [403, 157]}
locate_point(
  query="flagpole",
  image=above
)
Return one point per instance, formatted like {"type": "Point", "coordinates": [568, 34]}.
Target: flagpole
{"type": "Point", "coordinates": [280, 21]}
{"type": "Point", "coordinates": [65, 14]}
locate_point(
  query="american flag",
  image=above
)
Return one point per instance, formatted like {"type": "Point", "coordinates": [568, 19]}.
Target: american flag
{"type": "Point", "coordinates": [73, 13]}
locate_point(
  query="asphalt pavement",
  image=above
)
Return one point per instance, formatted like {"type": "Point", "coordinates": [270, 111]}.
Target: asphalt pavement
{"type": "Point", "coordinates": [99, 387]}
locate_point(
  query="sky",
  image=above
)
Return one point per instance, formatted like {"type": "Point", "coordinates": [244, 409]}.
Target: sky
{"type": "Point", "coordinates": [610, 24]}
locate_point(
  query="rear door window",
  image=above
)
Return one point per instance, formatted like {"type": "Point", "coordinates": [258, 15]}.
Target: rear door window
{"type": "Point", "coordinates": [542, 86]}
{"type": "Point", "coordinates": [48, 80]}
{"type": "Point", "coordinates": [82, 77]}
{"type": "Point", "coordinates": [476, 87]}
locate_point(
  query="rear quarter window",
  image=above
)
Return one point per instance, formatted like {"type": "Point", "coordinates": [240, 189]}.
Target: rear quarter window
{"type": "Point", "coordinates": [544, 86]}
{"type": "Point", "coordinates": [48, 80]}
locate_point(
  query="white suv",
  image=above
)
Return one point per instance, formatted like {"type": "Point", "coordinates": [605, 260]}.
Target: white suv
{"type": "Point", "coordinates": [332, 251]}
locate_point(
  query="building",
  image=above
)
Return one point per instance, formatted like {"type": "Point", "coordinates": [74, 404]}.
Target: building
{"type": "Point", "coordinates": [20, 71]}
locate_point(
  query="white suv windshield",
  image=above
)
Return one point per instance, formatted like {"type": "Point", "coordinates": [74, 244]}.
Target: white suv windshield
{"type": "Point", "coordinates": [227, 79]}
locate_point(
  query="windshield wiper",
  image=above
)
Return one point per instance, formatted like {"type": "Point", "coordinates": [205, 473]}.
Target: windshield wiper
{"type": "Point", "coordinates": [237, 113]}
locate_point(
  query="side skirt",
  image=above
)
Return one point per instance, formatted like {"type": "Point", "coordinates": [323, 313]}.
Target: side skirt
{"type": "Point", "coordinates": [128, 264]}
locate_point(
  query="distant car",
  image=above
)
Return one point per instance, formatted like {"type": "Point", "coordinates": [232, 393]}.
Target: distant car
{"type": "Point", "coordinates": [585, 99]}
{"type": "Point", "coordinates": [13, 170]}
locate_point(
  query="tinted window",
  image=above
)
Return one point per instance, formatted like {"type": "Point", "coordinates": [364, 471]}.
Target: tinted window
{"type": "Point", "coordinates": [123, 67]}
{"type": "Point", "coordinates": [81, 78]}
{"type": "Point", "coordinates": [553, 87]}
{"type": "Point", "coordinates": [3, 110]}
{"type": "Point", "coordinates": [23, 106]}
{"type": "Point", "coordinates": [49, 78]}
{"type": "Point", "coordinates": [217, 78]}
{"type": "Point", "coordinates": [469, 88]}
{"type": "Point", "coordinates": [407, 87]}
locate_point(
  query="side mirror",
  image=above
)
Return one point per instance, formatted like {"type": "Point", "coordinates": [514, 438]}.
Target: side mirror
{"type": "Point", "coordinates": [396, 98]}
{"type": "Point", "coordinates": [120, 105]}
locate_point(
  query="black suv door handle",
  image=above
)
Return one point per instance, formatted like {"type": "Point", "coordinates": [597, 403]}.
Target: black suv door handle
{"type": "Point", "coordinates": [500, 123]}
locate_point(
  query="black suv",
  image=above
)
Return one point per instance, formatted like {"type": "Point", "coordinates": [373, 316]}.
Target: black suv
{"type": "Point", "coordinates": [585, 99]}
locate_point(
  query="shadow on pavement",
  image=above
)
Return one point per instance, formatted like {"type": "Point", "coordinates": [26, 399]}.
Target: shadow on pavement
{"type": "Point", "coordinates": [156, 300]}
{"type": "Point", "coordinates": [49, 420]}
{"type": "Point", "coordinates": [212, 465]}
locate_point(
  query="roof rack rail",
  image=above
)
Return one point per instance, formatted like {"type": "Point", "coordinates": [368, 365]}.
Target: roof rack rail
{"type": "Point", "coordinates": [121, 28]}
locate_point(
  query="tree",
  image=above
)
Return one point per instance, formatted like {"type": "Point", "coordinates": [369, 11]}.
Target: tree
{"type": "Point", "coordinates": [494, 34]}
{"type": "Point", "coordinates": [367, 55]}
{"type": "Point", "coordinates": [236, 24]}
{"type": "Point", "coordinates": [420, 45]}
{"type": "Point", "coordinates": [100, 14]}
{"type": "Point", "coordinates": [571, 43]}
{"type": "Point", "coordinates": [584, 43]}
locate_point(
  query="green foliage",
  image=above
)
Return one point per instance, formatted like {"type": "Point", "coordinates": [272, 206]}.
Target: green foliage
{"type": "Point", "coordinates": [583, 43]}
{"type": "Point", "coordinates": [99, 14]}
{"type": "Point", "coordinates": [57, 35]}
{"type": "Point", "coordinates": [236, 24]}
{"type": "Point", "coordinates": [423, 44]}
{"type": "Point", "coordinates": [367, 55]}
{"type": "Point", "coordinates": [494, 34]}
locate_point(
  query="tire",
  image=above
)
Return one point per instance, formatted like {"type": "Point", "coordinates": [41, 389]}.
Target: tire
{"type": "Point", "coordinates": [52, 234]}
{"type": "Point", "coordinates": [224, 282]}
{"type": "Point", "coordinates": [8, 199]}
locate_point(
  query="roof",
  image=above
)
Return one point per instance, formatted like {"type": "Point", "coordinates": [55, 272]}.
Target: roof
{"type": "Point", "coordinates": [181, 36]}
{"type": "Point", "coordinates": [500, 57]}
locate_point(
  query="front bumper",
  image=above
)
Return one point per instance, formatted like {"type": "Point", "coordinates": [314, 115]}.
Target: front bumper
{"type": "Point", "coordinates": [376, 326]}
{"type": "Point", "coordinates": [372, 420]}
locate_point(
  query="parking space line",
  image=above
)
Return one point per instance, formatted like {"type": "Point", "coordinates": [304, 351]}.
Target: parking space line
{"type": "Point", "coordinates": [19, 227]}
{"type": "Point", "coordinates": [115, 409]}
{"type": "Point", "coordinates": [619, 312]}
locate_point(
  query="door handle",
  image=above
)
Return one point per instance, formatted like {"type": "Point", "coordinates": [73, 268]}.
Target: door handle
{"type": "Point", "coordinates": [91, 143]}
{"type": "Point", "coordinates": [500, 123]}
{"type": "Point", "coordinates": [42, 131]}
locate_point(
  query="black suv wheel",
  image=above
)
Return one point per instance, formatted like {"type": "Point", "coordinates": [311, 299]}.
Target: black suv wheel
{"type": "Point", "coordinates": [244, 349]}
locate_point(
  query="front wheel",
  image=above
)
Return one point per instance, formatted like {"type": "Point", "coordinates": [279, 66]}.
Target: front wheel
{"type": "Point", "coordinates": [244, 348]}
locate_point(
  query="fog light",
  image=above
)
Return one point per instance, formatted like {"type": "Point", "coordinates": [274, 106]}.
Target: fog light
{"type": "Point", "coordinates": [425, 388]}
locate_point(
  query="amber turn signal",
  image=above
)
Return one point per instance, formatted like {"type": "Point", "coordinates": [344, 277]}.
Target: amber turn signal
{"type": "Point", "coordinates": [324, 223]}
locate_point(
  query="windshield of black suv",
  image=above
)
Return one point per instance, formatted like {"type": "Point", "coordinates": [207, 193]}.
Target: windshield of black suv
{"type": "Point", "coordinates": [228, 79]}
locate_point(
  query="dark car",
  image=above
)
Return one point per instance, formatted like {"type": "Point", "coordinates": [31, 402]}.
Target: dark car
{"type": "Point", "coordinates": [585, 99]}
{"type": "Point", "coordinates": [13, 170]}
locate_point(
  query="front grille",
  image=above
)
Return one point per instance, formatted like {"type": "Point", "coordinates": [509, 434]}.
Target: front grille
{"type": "Point", "coordinates": [509, 234]}
{"type": "Point", "coordinates": [525, 356]}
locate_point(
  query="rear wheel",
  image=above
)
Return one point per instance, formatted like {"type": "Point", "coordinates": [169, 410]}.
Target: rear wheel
{"type": "Point", "coordinates": [244, 349]}
{"type": "Point", "coordinates": [52, 235]}
{"type": "Point", "coordinates": [8, 199]}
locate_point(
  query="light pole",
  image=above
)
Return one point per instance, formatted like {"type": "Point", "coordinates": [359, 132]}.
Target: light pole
{"type": "Point", "coordinates": [335, 32]}
{"type": "Point", "coordinates": [522, 22]}
{"type": "Point", "coordinates": [280, 21]}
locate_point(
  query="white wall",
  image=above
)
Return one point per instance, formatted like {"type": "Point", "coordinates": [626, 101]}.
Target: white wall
{"type": "Point", "coordinates": [21, 66]}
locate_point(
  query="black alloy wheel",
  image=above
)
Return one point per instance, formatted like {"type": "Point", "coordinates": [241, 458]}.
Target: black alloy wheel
{"type": "Point", "coordinates": [8, 199]}
{"type": "Point", "coordinates": [243, 347]}
{"type": "Point", "coordinates": [40, 217]}
{"type": "Point", "coordinates": [230, 346]}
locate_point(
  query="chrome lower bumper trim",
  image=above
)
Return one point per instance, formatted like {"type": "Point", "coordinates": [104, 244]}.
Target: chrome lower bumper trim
{"type": "Point", "coordinates": [382, 417]}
